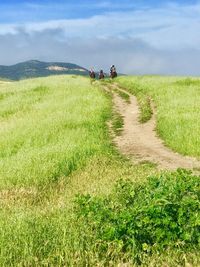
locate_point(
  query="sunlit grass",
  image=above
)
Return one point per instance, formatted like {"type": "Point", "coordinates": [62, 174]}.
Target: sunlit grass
{"type": "Point", "coordinates": [55, 144]}
{"type": "Point", "coordinates": [49, 128]}
{"type": "Point", "coordinates": [177, 103]}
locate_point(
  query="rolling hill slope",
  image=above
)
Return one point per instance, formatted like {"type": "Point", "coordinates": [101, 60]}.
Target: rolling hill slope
{"type": "Point", "coordinates": [35, 68]}
{"type": "Point", "coordinates": [68, 198]}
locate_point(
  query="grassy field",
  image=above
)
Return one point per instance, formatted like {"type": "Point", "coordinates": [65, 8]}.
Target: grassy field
{"type": "Point", "coordinates": [42, 135]}
{"type": "Point", "coordinates": [58, 177]}
{"type": "Point", "coordinates": [177, 103]}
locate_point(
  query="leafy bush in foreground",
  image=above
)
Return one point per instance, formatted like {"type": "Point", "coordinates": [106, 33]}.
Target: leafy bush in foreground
{"type": "Point", "coordinates": [139, 220]}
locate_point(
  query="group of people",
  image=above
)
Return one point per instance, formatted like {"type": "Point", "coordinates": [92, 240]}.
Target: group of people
{"type": "Point", "coordinates": [113, 73]}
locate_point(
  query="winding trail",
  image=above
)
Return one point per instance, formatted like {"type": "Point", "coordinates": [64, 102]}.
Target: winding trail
{"type": "Point", "coordinates": [139, 141]}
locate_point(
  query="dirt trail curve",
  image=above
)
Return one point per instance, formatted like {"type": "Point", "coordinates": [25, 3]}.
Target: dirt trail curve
{"type": "Point", "coordinates": [139, 141]}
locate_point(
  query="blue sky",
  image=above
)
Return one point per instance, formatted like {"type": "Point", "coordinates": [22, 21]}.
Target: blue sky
{"type": "Point", "coordinates": [138, 36]}
{"type": "Point", "coordinates": [23, 11]}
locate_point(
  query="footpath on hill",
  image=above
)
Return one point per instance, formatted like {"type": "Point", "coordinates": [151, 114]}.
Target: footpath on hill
{"type": "Point", "coordinates": [139, 142]}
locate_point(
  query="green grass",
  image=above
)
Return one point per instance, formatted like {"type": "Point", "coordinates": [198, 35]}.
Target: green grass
{"type": "Point", "coordinates": [142, 96]}
{"type": "Point", "coordinates": [177, 103]}
{"type": "Point", "coordinates": [123, 95]}
{"type": "Point", "coordinates": [138, 220]}
{"type": "Point", "coordinates": [38, 227]}
{"type": "Point", "coordinates": [55, 145]}
{"type": "Point", "coordinates": [43, 136]}
{"type": "Point", "coordinates": [117, 123]}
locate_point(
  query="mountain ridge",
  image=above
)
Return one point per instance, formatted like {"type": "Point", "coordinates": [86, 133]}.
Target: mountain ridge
{"type": "Point", "coordinates": [35, 68]}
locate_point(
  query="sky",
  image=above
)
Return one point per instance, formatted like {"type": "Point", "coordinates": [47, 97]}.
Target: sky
{"type": "Point", "coordinates": [138, 36]}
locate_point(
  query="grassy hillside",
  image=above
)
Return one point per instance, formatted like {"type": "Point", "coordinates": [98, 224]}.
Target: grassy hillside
{"type": "Point", "coordinates": [177, 103]}
{"type": "Point", "coordinates": [67, 196]}
{"type": "Point", "coordinates": [42, 135]}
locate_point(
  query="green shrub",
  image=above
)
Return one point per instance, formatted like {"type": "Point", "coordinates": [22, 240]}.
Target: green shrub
{"type": "Point", "coordinates": [139, 220]}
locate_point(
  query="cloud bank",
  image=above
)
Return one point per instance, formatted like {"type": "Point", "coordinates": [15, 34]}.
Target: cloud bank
{"type": "Point", "coordinates": [162, 40]}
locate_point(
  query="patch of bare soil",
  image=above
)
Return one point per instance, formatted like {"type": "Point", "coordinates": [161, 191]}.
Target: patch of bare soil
{"type": "Point", "coordinates": [139, 141]}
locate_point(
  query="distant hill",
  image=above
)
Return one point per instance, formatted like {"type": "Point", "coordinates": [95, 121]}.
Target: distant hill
{"type": "Point", "coordinates": [35, 68]}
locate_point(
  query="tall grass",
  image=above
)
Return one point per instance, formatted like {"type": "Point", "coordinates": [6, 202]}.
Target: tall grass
{"type": "Point", "coordinates": [54, 145]}
{"type": "Point", "coordinates": [177, 103]}
{"type": "Point", "coordinates": [49, 127]}
{"type": "Point", "coordinates": [38, 228]}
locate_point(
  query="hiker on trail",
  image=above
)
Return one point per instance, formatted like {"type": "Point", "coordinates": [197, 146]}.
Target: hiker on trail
{"type": "Point", "coordinates": [92, 74]}
{"type": "Point", "coordinates": [101, 75]}
{"type": "Point", "coordinates": [113, 72]}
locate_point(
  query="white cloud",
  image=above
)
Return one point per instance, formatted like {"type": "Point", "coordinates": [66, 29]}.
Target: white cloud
{"type": "Point", "coordinates": [162, 27]}
{"type": "Point", "coordinates": [162, 40]}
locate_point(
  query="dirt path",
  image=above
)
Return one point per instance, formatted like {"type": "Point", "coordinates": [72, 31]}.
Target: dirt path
{"type": "Point", "coordinates": [139, 141]}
